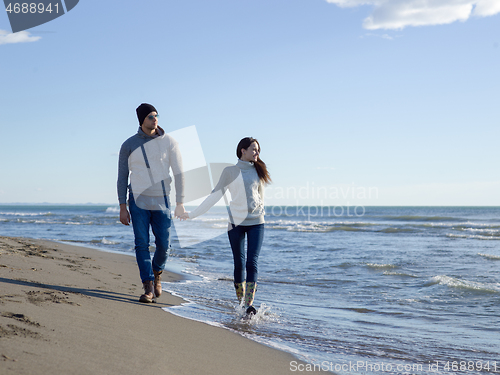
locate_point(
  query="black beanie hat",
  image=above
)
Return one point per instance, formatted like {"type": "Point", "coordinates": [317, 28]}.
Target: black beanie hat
{"type": "Point", "coordinates": [143, 110]}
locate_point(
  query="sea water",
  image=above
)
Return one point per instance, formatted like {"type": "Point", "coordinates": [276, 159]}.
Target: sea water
{"type": "Point", "coordinates": [400, 290]}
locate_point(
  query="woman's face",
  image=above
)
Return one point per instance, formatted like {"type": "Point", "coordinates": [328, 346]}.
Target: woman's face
{"type": "Point", "coordinates": [251, 153]}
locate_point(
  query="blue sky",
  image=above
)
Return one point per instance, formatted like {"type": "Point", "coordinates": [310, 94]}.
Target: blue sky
{"type": "Point", "coordinates": [359, 102]}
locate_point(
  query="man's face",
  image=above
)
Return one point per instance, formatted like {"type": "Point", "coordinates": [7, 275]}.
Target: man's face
{"type": "Point", "coordinates": [150, 123]}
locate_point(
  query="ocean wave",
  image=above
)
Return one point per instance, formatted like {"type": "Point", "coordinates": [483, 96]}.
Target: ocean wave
{"type": "Point", "coordinates": [27, 213]}
{"type": "Point", "coordinates": [113, 210]}
{"type": "Point", "coordinates": [25, 221]}
{"type": "Point", "coordinates": [444, 225]}
{"type": "Point", "coordinates": [474, 228]}
{"type": "Point", "coordinates": [324, 229]}
{"type": "Point", "coordinates": [346, 265]}
{"type": "Point", "coordinates": [397, 230]}
{"type": "Point", "coordinates": [105, 241]}
{"type": "Point", "coordinates": [464, 284]}
{"type": "Point", "coordinates": [488, 230]}
{"type": "Point", "coordinates": [401, 274]}
{"type": "Point", "coordinates": [318, 227]}
{"type": "Point", "coordinates": [361, 310]}
{"type": "Point", "coordinates": [56, 222]}
{"type": "Point", "coordinates": [489, 256]}
{"type": "Point", "coordinates": [211, 220]}
{"type": "Point", "coordinates": [473, 236]}
{"type": "Point", "coordinates": [483, 237]}
{"type": "Point", "coordinates": [421, 218]}
{"type": "Point", "coordinates": [472, 224]}
{"type": "Point", "coordinates": [350, 223]}
{"type": "Point", "coordinates": [381, 266]}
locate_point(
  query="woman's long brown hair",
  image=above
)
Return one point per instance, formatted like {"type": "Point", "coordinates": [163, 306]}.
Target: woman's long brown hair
{"type": "Point", "coordinates": [260, 166]}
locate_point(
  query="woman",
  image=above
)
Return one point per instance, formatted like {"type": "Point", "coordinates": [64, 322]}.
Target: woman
{"type": "Point", "coordinates": [245, 181]}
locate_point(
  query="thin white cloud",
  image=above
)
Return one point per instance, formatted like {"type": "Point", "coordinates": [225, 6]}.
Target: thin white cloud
{"type": "Point", "coordinates": [398, 14]}
{"type": "Point", "coordinates": [19, 37]}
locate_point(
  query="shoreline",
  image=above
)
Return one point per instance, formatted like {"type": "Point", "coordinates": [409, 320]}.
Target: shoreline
{"type": "Point", "coordinates": [69, 308]}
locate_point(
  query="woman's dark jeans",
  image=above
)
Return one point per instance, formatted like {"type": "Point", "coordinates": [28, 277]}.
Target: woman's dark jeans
{"type": "Point", "coordinates": [255, 235]}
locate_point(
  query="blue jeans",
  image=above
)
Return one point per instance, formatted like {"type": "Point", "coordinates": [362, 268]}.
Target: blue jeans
{"type": "Point", "coordinates": [160, 222]}
{"type": "Point", "coordinates": [255, 236]}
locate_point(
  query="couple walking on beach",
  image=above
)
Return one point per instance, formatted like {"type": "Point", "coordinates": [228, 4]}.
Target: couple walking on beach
{"type": "Point", "coordinates": [147, 158]}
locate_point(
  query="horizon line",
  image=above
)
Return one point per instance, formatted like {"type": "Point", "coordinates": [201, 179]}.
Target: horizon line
{"type": "Point", "coordinates": [269, 205]}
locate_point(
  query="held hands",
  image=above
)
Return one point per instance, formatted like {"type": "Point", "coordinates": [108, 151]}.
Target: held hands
{"type": "Point", "coordinates": [180, 212]}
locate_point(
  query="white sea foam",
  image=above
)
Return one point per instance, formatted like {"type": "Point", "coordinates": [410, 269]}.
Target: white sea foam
{"type": "Point", "coordinates": [453, 282]}
{"type": "Point", "coordinates": [318, 226]}
{"type": "Point", "coordinates": [480, 230]}
{"type": "Point", "coordinates": [113, 210]}
{"type": "Point", "coordinates": [198, 277]}
{"type": "Point", "coordinates": [26, 213]}
{"type": "Point", "coordinates": [461, 225]}
{"type": "Point", "coordinates": [489, 256]}
{"type": "Point", "coordinates": [104, 241]}
{"type": "Point", "coordinates": [473, 237]}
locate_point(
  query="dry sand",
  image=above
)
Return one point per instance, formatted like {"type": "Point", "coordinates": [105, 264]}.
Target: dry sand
{"type": "Point", "coordinates": [74, 310]}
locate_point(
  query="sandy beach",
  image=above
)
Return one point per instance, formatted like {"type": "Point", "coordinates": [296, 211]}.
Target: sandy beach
{"type": "Point", "coordinates": [70, 309]}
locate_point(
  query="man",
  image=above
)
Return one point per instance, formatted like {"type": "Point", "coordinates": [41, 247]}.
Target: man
{"type": "Point", "coordinates": [147, 157]}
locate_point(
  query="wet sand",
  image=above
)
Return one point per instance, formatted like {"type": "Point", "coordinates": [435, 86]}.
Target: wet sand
{"type": "Point", "coordinates": [74, 310]}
